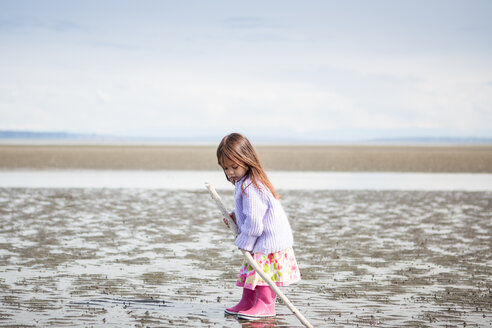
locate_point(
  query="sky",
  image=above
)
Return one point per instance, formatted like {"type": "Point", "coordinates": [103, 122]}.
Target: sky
{"type": "Point", "coordinates": [301, 70]}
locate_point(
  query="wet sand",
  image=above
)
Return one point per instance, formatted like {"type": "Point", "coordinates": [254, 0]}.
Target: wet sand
{"type": "Point", "coordinates": [346, 158]}
{"type": "Point", "coordinates": [162, 258]}
{"type": "Point", "coordinates": [81, 257]}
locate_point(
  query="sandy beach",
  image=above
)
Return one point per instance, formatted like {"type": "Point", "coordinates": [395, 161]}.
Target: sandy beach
{"type": "Point", "coordinates": [340, 158]}
{"type": "Point", "coordinates": [81, 256]}
{"type": "Point", "coordinates": [163, 258]}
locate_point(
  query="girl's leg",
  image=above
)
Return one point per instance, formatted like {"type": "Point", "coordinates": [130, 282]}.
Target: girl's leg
{"type": "Point", "coordinates": [264, 306]}
{"type": "Point", "coordinates": [247, 300]}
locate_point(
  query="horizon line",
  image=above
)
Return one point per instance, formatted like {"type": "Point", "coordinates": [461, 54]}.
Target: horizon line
{"type": "Point", "coordinates": [26, 137]}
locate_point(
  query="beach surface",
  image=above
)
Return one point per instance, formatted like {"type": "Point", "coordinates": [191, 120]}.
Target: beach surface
{"type": "Point", "coordinates": [338, 158]}
{"type": "Point", "coordinates": [119, 236]}
{"type": "Point", "coordinates": [163, 258]}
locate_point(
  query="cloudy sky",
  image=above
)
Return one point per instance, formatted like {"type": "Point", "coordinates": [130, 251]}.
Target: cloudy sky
{"type": "Point", "coordinates": [328, 70]}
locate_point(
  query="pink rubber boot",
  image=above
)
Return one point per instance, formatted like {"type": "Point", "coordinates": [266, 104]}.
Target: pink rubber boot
{"type": "Point", "coordinates": [264, 307]}
{"type": "Point", "coordinates": [247, 301]}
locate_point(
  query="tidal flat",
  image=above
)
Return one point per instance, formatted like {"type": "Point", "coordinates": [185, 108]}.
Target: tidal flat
{"type": "Point", "coordinates": [81, 257]}
{"type": "Point", "coordinates": [334, 158]}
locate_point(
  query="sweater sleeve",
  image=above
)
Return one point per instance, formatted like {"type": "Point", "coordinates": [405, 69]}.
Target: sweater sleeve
{"type": "Point", "coordinates": [255, 206]}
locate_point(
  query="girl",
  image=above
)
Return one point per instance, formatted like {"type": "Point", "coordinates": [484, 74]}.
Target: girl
{"type": "Point", "coordinates": [264, 229]}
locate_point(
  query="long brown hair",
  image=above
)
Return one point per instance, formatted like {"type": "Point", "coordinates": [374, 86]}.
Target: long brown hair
{"type": "Point", "coordinates": [237, 148]}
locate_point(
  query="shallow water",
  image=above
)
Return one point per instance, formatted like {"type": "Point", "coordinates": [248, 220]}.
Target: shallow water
{"type": "Point", "coordinates": [287, 180]}
{"type": "Point", "coordinates": [154, 257]}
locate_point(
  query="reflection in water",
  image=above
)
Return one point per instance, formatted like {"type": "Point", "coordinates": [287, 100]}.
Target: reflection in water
{"type": "Point", "coordinates": [151, 257]}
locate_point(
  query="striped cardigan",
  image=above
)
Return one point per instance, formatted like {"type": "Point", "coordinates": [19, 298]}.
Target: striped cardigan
{"type": "Point", "coordinates": [261, 220]}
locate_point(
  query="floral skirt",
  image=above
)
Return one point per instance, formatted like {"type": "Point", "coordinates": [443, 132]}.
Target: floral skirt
{"type": "Point", "coordinates": [281, 267]}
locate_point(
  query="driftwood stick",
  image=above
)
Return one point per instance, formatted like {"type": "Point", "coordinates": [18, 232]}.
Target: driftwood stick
{"type": "Point", "coordinates": [251, 261]}
{"type": "Point", "coordinates": [222, 208]}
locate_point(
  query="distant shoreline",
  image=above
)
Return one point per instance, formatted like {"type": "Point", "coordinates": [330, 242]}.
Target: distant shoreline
{"type": "Point", "coordinates": [334, 158]}
{"type": "Point", "coordinates": [13, 137]}
{"type": "Point", "coordinates": [285, 143]}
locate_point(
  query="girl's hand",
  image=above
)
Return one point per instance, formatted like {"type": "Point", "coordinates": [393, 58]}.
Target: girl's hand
{"type": "Point", "coordinates": [243, 250]}
{"type": "Point", "coordinates": [233, 217]}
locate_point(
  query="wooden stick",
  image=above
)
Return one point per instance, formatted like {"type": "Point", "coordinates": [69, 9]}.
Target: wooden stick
{"type": "Point", "coordinates": [251, 261]}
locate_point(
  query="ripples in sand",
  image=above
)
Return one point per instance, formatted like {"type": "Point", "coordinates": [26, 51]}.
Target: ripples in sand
{"type": "Point", "coordinates": [150, 257]}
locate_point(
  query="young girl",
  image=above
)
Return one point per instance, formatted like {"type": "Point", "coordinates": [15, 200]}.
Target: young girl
{"type": "Point", "coordinates": [264, 229]}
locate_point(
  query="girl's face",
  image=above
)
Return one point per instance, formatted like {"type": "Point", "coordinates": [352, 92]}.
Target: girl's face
{"type": "Point", "coordinates": [233, 171]}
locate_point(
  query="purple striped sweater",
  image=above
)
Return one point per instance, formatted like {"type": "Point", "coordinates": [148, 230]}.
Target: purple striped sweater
{"type": "Point", "coordinates": [261, 220]}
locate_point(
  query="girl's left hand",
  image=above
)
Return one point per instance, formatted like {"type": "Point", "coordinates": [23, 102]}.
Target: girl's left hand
{"type": "Point", "coordinates": [233, 217]}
